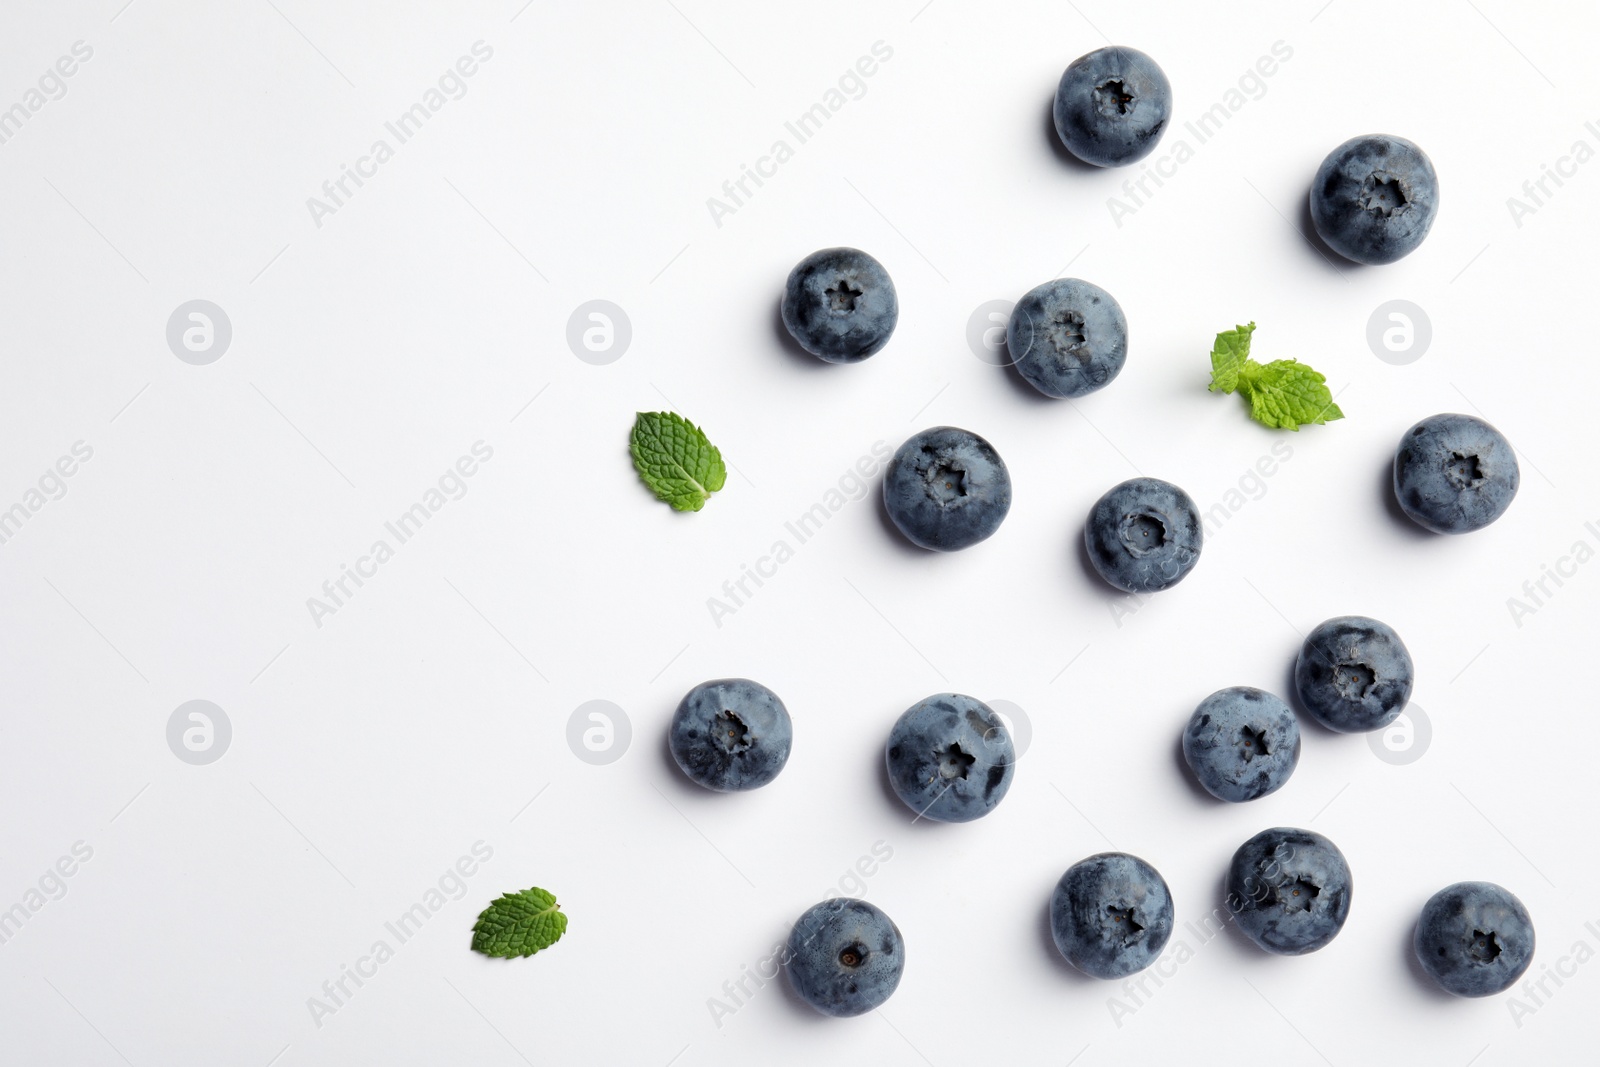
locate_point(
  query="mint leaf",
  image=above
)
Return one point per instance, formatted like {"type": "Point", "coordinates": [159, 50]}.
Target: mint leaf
{"type": "Point", "coordinates": [1286, 395]}
{"type": "Point", "coordinates": [1283, 394]}
{"type": "Point", "coordinates": [675, 459]}
{"type": "Point", "coordinates": [1229, 355]}
{"type": "Point", "coordinates": [519, 924]}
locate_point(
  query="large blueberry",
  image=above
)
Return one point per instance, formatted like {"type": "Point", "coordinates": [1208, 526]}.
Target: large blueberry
{"type": "Point", "coordinates": [950, 758]}
{"type": "Point", "coordinates": [1067, 338]}
{"type": "Point", "coordinates": [1143, 535]}
{"type": "Point", "coordinates": [1354, 674]}
{"type": "Point", "coordinates": [844, 957]}
{"type": "Point", "coordinates": [1289, 890]}
{"type": "Point", "coordinates": [1474, 939]}
{"type": "Point", "coordinates": [1374, 198]}
{"type": "Point", "coordinates": [731, 734]}
{"type": "Point", "coordinates": [1242, 743]}
{"type": "Point", "coordinates": [1111, 915]}
{"type": "Point", "coordinates": [1112, 106]}
{"type": "Point", "coordinates": [1455, 474]}
{"type": "Point", "coordinates": [946, 489]}
{"type": "Point", "coordinates": [840, 305]}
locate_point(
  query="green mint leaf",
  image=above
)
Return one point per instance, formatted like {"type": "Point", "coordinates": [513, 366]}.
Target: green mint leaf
{"type": "Point", "coordinates": [519, 924]}
{"type": "Point", "coordinates": [1229, 355]}
{"type": "Point", "coordinates": [1286, 395]}
{"type": "Point", "coordinates": [675, 459]}
{"type": "Point", "coordinates": [1283, 394]}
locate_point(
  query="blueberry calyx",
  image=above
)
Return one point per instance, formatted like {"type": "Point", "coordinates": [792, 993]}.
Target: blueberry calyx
{"type": "Point", "coordinates": [1384, 194]}
{"type": "Point", "coordinates": [1143, 531]}
{"type": "Point", "coordinates": [842, 296]}
{"type": "Point", "coordinates": [732, 733]}
{"type": "Point", "coordinates": [1113, 97]}
{"type": "Point", "coordinates": [953, 762]}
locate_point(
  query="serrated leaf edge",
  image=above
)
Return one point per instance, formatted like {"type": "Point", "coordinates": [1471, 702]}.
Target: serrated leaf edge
{"type": "Point", "coordinates": [1250, 371]}
{"type": "Point", "coordinates": [689, 504]}
{"type": "Point", "coordinates": [522, 952]}
{"type": "Point", "coordinates": [1245, 333]}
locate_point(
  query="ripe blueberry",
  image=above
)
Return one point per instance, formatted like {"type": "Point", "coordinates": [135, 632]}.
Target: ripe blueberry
{"type": "Point", "coordinates": [844, 957]}
{"type": "Point", "coordinates": [947, 489]}
{"type": "Point", "coordinates": [1289, 890]}
{"type": "Point", "coordinates": [731, 734]}
{"type": "Point", "coordinates": [1455, 474]}
{"type": "Point", "coordinates": [1474, 939]}
{"type": "Point", "coordinates": [1112, 106]}
{"type": "Point", "coordinates": [840, 305]}
{"type": "Point", "coordinates": [1143, 535]}
{"type": "Point", "coordinates": [950, 758]}
{"type": "Point", "coordinates": [1354, 674]}
{"type": "Point", "coordinates": [1374, 198]}
{"type": "Point", "coordinates": [1111, 915]}
{"type": "Point", "coordinates": [1242, 743]}
{"type": "Point", "coordinates": [1067, 338]}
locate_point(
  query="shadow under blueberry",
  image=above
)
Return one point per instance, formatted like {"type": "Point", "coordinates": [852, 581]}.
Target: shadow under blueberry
{"type": "Point", "coordinates": [1430, 988]}
{"type": "Point", "coordinates": [911, 818]}
{"type": "Point", "coordinates": [1309, 723]}
{"type": "Point", "coordinates": [1104, 589]}
{"type": "Point", "coordinates": [790, 346]}
{"type": "Point", "coordinates": [797, 1004]}
{"type": "Point", "coordinates": [1195, 788]}
{"type": "Point", "coordinates": [1047, 937]}
{"type": "Point", "coordinates": [681, 783]}
{"type": "Point", "coordinates": [1021, 386]}
{"type": "Point", "coordinates": [903, 545]}
{"type": "Point", "coordinates": [1059, 150]}
{"type": "Point", "coordinates": [1308, 227]}
{"type": "Point", "coordinates": [1392, 507]}
{"type": "Point", "coordinates": [1238, 941]}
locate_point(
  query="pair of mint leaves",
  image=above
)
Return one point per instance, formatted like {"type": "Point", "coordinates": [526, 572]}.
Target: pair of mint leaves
{"type": "Point", "coordinates": [1283, 394]}
{"type": "Point", "coordinates": [519, 924]}
{"type": "Point", "coordinates": [682, 467]}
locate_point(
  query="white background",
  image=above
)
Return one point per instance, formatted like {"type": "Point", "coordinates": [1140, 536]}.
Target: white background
{"type": "Point", "coordinates": [372, 351]}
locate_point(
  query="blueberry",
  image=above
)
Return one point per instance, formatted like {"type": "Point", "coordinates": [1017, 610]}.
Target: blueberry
{"type": "Point", "coordinates": [1289, 890]}
{"type": "Point", "coordinates": [1112, 106]}
{"type": "Point", "coordinates": [1455, 474]}
{"type": "Point", "coordinates": [1111, 915]}
{"type": "Point", "coordinates": [1374, 198]}
{"type": "Point", "coordinates": [946, 489]}
{"type": "Point", "coordinates": [950, 758]}
{"type": "Point", "coordinates": [840, 305]}
{"type": "Point", "coordinates": [1354, 674]}
{"type": "Point", "coordinates": [844, 957]}
{"type": "Point", "coordinates": [1143, 535]}
{"type": "Point", "coordinates": [1474, 939]}
{"type": "Point", "coordinates": [1242, 743]}
{"type": "Point", "coordinates": [1067, 338]}
{"type": "Point", "coordinates": [731, 734]}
